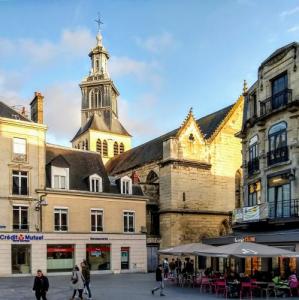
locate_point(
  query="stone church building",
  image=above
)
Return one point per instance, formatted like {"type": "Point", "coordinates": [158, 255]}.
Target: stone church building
{"type": "Point", "coordinates": [191, 174]}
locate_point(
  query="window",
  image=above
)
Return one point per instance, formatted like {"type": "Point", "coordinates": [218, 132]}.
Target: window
{"type": "Point", "coordinates": [121, 148]}
{"type": "Point", "coordinates": [253, 105]}
{"type": "Point", "coordinates": [60, 178]}
{"type": "Point", "coordinates": [99, 146]}
{"type": "Point", "coordinates": [96, 220]}
{"type": "Point", "coordinates": [279, 88]}
{"type": "Point", "coordinates": [126, 185]}
{"type": "Point", "coordinates": [253, 163]}
{"type": "Point", "coordinates": [20, 218]}
{"type": "Point", "coordinates": [279, 197]}
{"type": "Point", "coordinates": [60, 219]}
{"type": "Point", "coordinates": [19, 146]}
{"type": "Point", "coordinates": [86, 144]}
{"type": "Point", "coordinates": [20, 183]}
{"type": "Point", "coordinates": [95, 183]}
{"type": "Point", "coordinates": [125, 258]}
{"type": "Point", "coordinates": [129, 221]}
{"type": "Point", "coordinates": [115, 148]}
{"type": "Point", "coordinates": [254, 193]}
{"type": "Point", "coordinates": [105, 148]}
{"type": "Point", "coordinates": [278, 150]}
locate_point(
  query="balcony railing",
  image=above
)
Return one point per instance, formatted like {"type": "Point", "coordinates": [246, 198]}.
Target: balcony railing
{"type": "Point", "coordinates": [253, 166]}
{"type": "Point", "coordinates": [283, 209]}
{"type": "Point", "coordinates": [267, 211]}
{"type": "Point", "coordinates": [276, 101]}
{"type": "Point", "coordinates": [278, 155]}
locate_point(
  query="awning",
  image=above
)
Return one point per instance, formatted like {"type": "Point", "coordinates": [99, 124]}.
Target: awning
{"type": "Point", "coordinates": [247, 249]}
{"type": "Point", "coordinates": [187, 249]}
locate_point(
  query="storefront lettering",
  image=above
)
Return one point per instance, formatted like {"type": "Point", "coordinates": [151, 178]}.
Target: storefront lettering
{"type": "Point", "coordinates": [21, 237]}
{"type": "Point", "coordinates": [99, 239]}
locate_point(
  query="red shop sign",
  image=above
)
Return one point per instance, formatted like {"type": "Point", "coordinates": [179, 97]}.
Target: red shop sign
{"type": "Point", "coordinates": [51, 250]}
{"type": "Point", "coordinates": [101, 248]}
{"type": "Point", "coordinates": [125, 248]}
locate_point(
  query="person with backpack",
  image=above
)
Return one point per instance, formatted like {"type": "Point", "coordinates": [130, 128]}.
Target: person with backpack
{"type": "Point", "coordinates": [160, 280]}
{"type": "Point", "coordinates": [41, 285]}
{"type": "Point", "coordinates": [77, 282]}
{"type": "Point", "coordinates": [86, 275]}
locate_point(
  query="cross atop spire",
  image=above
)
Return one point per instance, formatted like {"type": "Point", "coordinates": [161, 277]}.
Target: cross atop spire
{"type": "Point", "coordinates": [99, 22]}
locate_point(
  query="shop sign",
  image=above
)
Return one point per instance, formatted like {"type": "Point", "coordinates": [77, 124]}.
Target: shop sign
{"type": "Point", "coordinates": [21, 237]}
{"type": "Point", "coordinates": [98, 238]}
{"type": "Point", "coordinates": [58, 249]}
{"type": "Point", "coordinates": [2, 226]}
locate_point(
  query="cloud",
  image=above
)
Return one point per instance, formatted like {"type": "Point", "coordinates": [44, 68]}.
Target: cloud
{"type": "Point", "coordinates": [157, 43]}
{"type": "Point", "coordinates": [293, 29]}
{"type": "Point", "coordinates": [289, 12]}
{"type": "Point", "coordinates": [71, 44]}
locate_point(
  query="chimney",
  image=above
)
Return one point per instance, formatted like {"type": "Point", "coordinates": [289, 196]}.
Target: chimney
{"type": "Point", "coordinates": [37, 108]}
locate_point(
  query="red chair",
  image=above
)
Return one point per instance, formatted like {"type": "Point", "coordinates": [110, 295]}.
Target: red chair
{"type": "Point", "coordinates": [246, 287]}
{"type": "Point", "coordinates": [221, 287]}
{"type": "Point", "coordinates": [205, 284]}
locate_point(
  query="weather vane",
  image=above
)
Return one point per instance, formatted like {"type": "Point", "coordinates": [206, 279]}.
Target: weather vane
{"type": "Point", "coordinates": [98, 21]}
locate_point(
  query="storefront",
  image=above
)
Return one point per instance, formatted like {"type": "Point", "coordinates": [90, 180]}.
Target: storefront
{"type": "Point", "coordinates": [58, 253]}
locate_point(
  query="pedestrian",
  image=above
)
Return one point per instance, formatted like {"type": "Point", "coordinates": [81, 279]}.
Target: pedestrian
{"type": "Point", "coordinates": [172, 268]}
{"type": "Point", "coordinates": [77, 282]}
{"type": "Point", "coordinates": [41, 285]}
{"type": "Point", "coordinates": [160, 280]}
{"type": "Point", "coordinates": [166, 267]}
{"type": "Point", "coordinates": [86, 275]}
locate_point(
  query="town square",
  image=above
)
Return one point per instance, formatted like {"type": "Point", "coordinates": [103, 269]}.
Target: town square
{"type": "Point", "coordinates": [149, 149]}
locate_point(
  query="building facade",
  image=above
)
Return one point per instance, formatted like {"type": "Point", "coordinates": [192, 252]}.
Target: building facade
{"type": "Point", "coordinates": [58, 205]}
{"type": "Point", "coordinates": [269, 212]}
{"type": "Point", "coordinates": [177, 172]}
{"type": "Point", "coordinates": [101, 130]}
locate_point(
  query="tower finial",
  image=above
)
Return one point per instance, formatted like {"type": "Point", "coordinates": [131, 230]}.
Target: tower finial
{"type": "Point", "coordinates": [245, 88]}
{"type": "Point", "coordinates": [99, 22]}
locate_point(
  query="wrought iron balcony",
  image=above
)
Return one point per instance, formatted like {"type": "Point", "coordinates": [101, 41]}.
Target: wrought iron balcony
{"type": "Point", "coordinates": [267, 211]}
{"type": "Point", "coordinates": [276, 101]}
{"type": "Point", "coordinates": [278, 155]}
{"type": "Point", "coordinates": [253, 166]}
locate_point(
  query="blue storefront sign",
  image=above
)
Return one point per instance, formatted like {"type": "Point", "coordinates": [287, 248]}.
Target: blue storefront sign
{"type": "Point", "coordinates": [21, 237]}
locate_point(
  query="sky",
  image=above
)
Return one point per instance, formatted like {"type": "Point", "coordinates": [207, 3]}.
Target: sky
{"type": "Point", "coordinates": [165, 56]}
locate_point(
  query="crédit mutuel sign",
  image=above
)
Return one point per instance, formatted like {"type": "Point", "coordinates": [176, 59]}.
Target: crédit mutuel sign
{"type": "Point", "coordinates": [21, 237]}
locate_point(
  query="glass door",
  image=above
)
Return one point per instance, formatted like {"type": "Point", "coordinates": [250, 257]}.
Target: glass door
{"type": "Point", "coordinates": [21, 259]}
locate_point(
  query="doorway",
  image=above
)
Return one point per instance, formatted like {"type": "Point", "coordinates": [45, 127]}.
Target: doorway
{"type": "Point", "coordinates": [21, 259]}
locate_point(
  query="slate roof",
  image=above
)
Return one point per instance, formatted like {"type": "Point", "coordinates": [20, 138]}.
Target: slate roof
{"type": "Point", "coordinates": [153, 150]}
{"type": "Point", "coordinates": [7, 112]}
{"type": "Point", "coordinates": [82, 164]}
{"type": "Point", "coordinates": [96, 122]}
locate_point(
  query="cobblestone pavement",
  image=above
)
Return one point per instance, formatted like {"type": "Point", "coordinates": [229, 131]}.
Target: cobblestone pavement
{"type": "Point", "coordinates": [104, 287]}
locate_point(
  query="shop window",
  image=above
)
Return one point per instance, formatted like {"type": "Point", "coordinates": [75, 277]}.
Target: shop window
{"type": "Point", "coordinates": [20, 218]}
{"type": "Point", "coordinates": [95, 183]}
{"type": "Point", "coordinates": [129, 221]}
{"type": "Point", "coordinates": [121, 148]}
{"type": "Point", "coordinates": [105, 148]}
{"type": "Point", "coordinates": [60, 219]}
{"type": "Point", "coordinates": [126, 185]}
{"type": "Point", "coordinates": [96, 220]}
{"type": "Point", "coordinates": [98, 256]}
{"type": "Point", "coordinates": [60, 258]}
{"type": "Point", "coordinates": [125, 258]}
{"type": "Point", "coordinates": [99, 146]}
{"type": "Point", "coordinates": [19, 149]}
{"type": "Point", "coordinates": [60, 178]}
{"type": "Point", "coordinates": [20, 183]}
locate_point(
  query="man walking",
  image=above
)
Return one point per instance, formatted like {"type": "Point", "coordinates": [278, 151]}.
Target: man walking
{"type": "Point", "coordinates": [160, 280]}
{"type": "Point", "coordinates": [86, 275]}
{"type": "Point", "coordinates": [41, 285]}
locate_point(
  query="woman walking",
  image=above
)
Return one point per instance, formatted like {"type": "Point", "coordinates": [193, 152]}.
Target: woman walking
{"type": "Point", "coordinates": [77, 282]}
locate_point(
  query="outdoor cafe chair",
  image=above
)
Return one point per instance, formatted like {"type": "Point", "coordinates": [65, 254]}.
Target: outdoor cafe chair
{"type": "Point", "coordinates": [205, 284]}
{"type": "Point", "coordinates": [246, 287]}
{"type": "Point", "coordinates": [221, 287]}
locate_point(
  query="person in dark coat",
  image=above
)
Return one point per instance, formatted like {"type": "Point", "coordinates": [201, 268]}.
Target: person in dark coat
{"type": "Point", "coordinates": [41, 285]}
{"type": "Point", "coordinates": [160, 280]}
{"type": "Point", "coordinates": [86, 275]}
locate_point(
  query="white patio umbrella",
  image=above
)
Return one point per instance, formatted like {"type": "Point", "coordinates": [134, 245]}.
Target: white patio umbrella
{"type": "Point", "coordinates": [247, 249]}
{"type": "Point", "coordinates": [187, 249]}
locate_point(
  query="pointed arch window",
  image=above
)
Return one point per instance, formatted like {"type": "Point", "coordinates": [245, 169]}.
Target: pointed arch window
{"type": "Point", "coordinates": [105, 148]}
{"type": "Point", "coordinates": [121, 148]}
{"type": "Point", "coordinates": [152, 177]}
{"type": "Point", "coordinates": [115, 148]}
{"type": "Point", "coordinates": [99, 146]}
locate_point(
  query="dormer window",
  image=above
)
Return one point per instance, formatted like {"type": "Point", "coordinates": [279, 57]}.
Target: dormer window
{"type": "Point", "coordinates": [126, 185]}
{"type": "Point", "coordinates": [60, 178]}
{"type": "Point", "coordinates": [95, 183]}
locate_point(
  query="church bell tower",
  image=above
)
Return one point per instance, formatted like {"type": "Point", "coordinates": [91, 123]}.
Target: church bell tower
{"type": "Point", "coordinates": [100, 131]}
